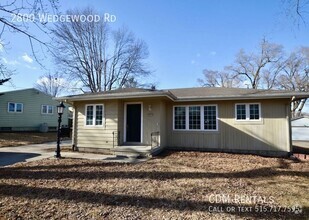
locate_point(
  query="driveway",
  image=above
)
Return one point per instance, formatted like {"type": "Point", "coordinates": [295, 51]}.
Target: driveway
{"type": "Point", "coordinates": [26, 153]}
{"type": "Point", "coordinates": [11, 155]}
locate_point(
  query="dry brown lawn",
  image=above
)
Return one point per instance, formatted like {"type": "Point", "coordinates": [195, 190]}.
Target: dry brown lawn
{"type": "Point", "coordinates": [176, 185]}
{"type": "Point", "coordinates": [25, 138]}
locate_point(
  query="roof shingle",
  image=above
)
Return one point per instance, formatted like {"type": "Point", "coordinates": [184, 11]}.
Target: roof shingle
{"type": "Point", "coordinates": [190, 94]}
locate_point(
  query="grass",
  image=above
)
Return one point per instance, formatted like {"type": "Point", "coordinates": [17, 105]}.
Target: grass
{"type": "Point", "coordinates": [25, 138]}
{"type": "Point", "coordinates": [189, 185]}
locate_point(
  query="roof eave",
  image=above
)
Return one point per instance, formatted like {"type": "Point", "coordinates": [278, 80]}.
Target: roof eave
{"type": "Point", "coordinates": [110, 97]}
{"type": "Point", "coordinates": [225, 98]}
{"type": "Point", "coordinates": [170, 96]}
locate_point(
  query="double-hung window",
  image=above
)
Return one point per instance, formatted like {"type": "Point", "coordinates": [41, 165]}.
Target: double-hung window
{"type": "Point", "coordinates": [248, 112]}
{"type": "Point", "coordinates": [241, 112]}
{"type": "Point", "coordinates": [199, 118]}
{"type": "Point", "coordinates": [180, 117]}
{"type": "Point", "coordinates": [94, 115]}
{"type": "Point", "coordinates": [47, 109]}
{"type": "Point", "coordinates": [15, 107]}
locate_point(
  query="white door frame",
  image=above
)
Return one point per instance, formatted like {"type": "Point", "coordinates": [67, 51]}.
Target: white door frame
{"type": "Point", "coordinates": [125, 120]}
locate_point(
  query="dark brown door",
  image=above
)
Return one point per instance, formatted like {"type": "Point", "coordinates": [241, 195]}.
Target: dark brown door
{"type": "Point", "coordinates": [133, 126]}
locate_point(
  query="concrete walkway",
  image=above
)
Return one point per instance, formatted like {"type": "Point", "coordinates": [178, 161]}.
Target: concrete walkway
{"type": "Point", "coordinates": [26, 153]}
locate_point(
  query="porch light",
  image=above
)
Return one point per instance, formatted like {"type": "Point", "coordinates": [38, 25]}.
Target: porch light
{"type": "Point", "coordinates": [60, 108]}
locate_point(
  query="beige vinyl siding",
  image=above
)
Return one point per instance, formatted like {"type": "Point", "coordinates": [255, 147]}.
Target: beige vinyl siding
{"type": "Point", "coordinates": [268, 134]}
{"type": "Point", "coordinates": [121, 121]}
{"type": "Point", "coordinates": [31, 117]}
{"type": "Point", "coordinates": [74, 125]}
{"type": "Point", "coordinates": [102, 137]}
{"type": "Point", "coordinates": [151, 117]}
{"type": "Point", "coordinates": [151, 121]}
{"type": "Point", "coordinates": [163, 130]}
{"type": "Point", "coordinates": [271, 133]}
{"type": "Point", "coordinates": [96, 136]}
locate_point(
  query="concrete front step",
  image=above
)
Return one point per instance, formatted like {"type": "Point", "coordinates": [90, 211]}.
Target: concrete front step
{"type": "Point", "coordinates": [135, 151]}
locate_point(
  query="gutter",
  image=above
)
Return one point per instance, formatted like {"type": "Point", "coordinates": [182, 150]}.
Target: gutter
{"type": "Point", "coordinates": [173, 98]}
{"type": "Point", "coordinates": [223, 98]}
{"type": "Point", "coordinates": [109, 97]}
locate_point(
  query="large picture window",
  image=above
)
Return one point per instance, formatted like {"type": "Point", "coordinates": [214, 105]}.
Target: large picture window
{"type": "Point", "coordinates": [199, 117]}
{"type": "Point", "coordinates": [248, 112]}
{"type": "Point", "coordinates": [94, 115]}
{"type": "Point", "coordinates": [15, 107]}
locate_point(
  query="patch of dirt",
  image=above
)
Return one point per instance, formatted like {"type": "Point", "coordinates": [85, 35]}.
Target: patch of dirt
{"type": "Point", "coordinates": [25, 138]}
{"type": "Point", "coordinates": [175, 185]}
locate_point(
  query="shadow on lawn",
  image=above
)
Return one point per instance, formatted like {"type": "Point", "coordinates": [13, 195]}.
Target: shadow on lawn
{"type": "Point", "coordinates": [12, 173]}
{"type": "Point", "coordinates": [66, 166]}
{"type": "Point", "coordinates": [133, 200]}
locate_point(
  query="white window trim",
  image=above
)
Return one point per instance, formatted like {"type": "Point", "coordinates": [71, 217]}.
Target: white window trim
{"type": "Point", "coordinates": [47, 110]}
{"type": "Point", "coordinates": [94, 115]}
{"type": "Point", "coordinates": [202, 118]}
{"type": "Point", "coordinates": [248, 112]}
{"type": "Point", "coordinates": [125, 120]}
{"type": "Point", "coordinates": [187, 116]}
{"type": "Point", "coordinates": [15, 103]}
{"type": "Point", "coordinates": [217, 118]}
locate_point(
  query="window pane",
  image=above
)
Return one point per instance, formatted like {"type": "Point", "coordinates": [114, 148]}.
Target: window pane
{"type": "Point", "coordinates": [11, 107]}
{"type": "Point", "coordinates": [99, 115]}
{"type": "Point", "coordinates": [19, 107]}
{"type": "Point", "coordinates": [44, 109]}
{"type": "Point", "coordinates": [254, 111]}
{"type": "Point", "coordinates": [50, 109]}
{"type": "Point", "coordinates": [89, 115]}
{"type": "Point", "coordinates": [241, 112]}
{"type": "Point", "coordinates": [180, 117]}
{"type": "Point", "coordinates": [194, 117]}
{"type": "Point", "coordinates": [210, 117]}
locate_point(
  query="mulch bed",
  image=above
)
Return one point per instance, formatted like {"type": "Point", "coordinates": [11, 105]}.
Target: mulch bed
{"type": "Point", "coordinates": [174, 185]}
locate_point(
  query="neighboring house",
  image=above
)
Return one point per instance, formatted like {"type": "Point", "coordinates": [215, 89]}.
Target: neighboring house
{"type": "Point", "coordinates": [27, 110]}
{"type": "Point", "coordinates": [300, 129]}
{"type": "Point", "coordinates": [210, 119]}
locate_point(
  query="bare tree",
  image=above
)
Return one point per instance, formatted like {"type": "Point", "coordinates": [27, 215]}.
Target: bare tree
{"type": "Point", "coordinates": [296, 11]}
{"type": "Point", "coordinates": [212, 78]}
{"type": "Point", "coordinates": [269, 69]}
{"type": "Point", "coordinates": [270, 75]}
{"type": "Point", "coordinates": [19, 17]}
{"type": "Point", "coordinates": [98, 57]}
{"type": "Point", "coordinates": [252, 66]}
{"type": "Point", "coordinates": [295, 76]}
{"type": "Point", "coordinates": [52, 84]}
{"type": "Point", "coordinates": [5, 74]}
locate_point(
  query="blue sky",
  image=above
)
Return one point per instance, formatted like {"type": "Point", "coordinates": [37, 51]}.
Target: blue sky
{"type": "Point", "coordinates": [184, 37]}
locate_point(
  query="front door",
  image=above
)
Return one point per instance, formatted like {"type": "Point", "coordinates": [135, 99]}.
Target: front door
{"type": "Point", "coordinates": [133, 122]}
